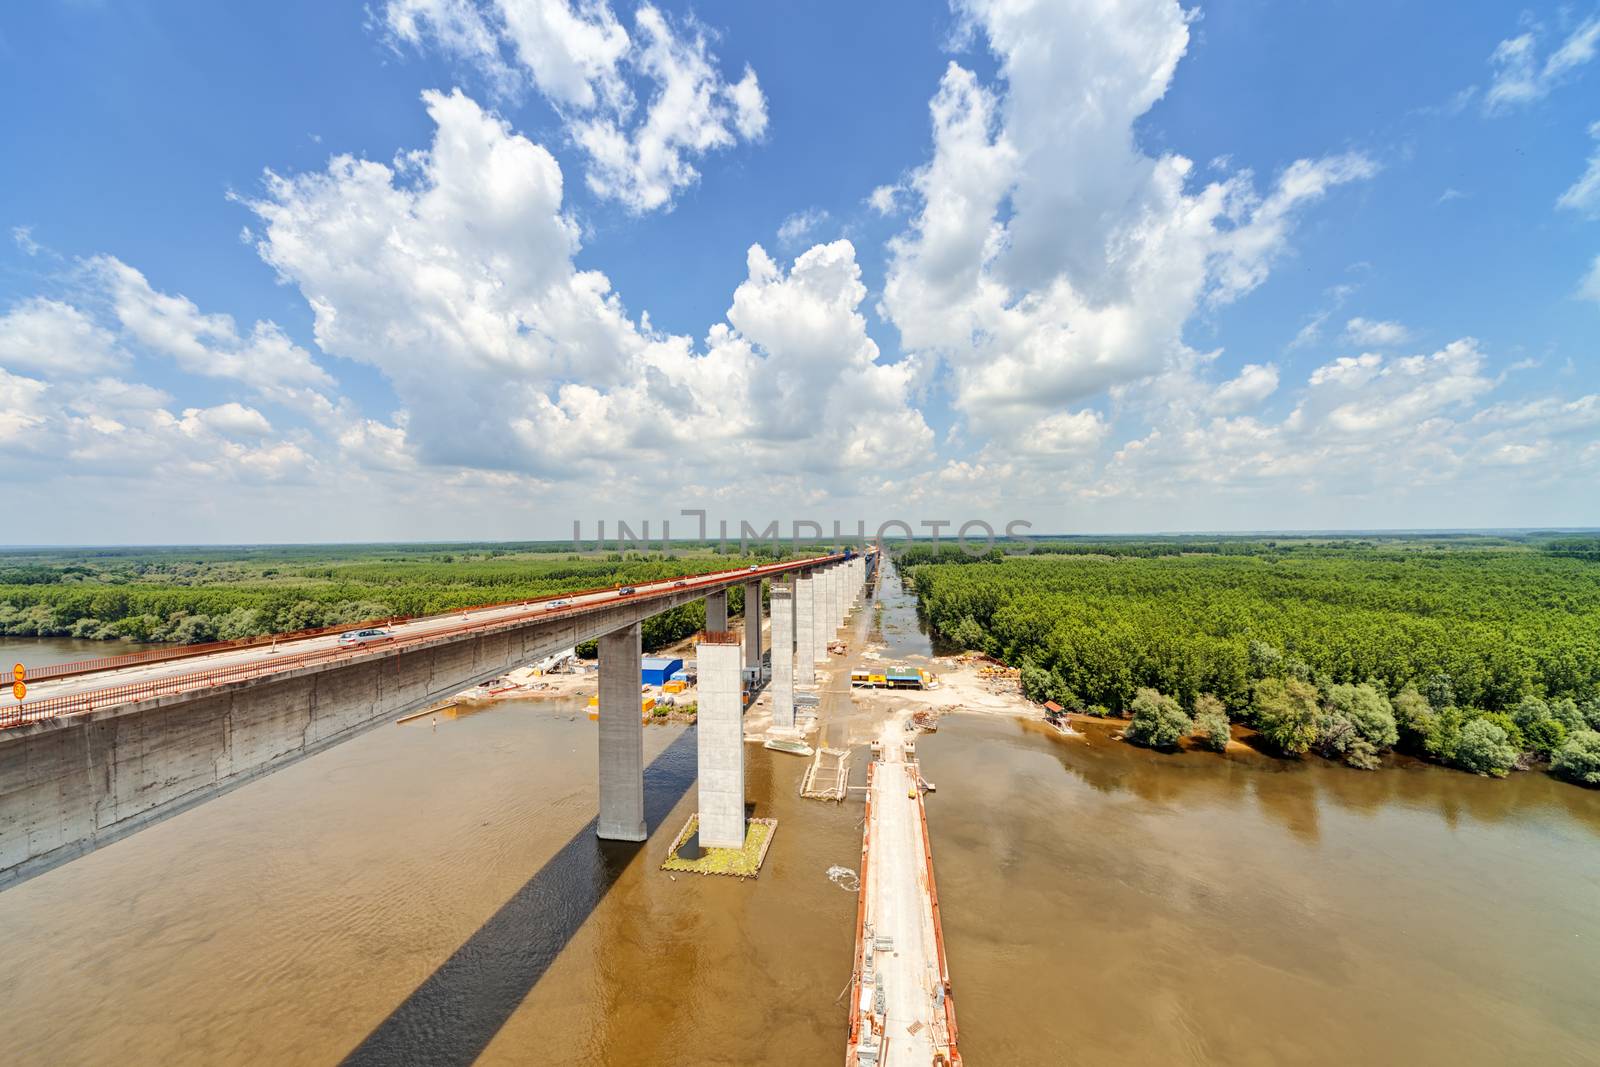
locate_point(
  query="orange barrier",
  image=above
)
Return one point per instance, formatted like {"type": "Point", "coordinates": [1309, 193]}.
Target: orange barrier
{"type": "Point", "coordinates": [861, 925]}
{"type": "Point", "coordinates": [52, 707]}
{"type": "Point", "coordinates": [938, 931]}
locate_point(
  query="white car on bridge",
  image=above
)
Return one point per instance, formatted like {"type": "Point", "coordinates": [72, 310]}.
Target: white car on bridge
{"type": "Point", "coordinates": [361, 637]}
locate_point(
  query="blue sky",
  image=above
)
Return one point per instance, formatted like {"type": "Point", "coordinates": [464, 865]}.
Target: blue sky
{"type": "Point", "coordinates": [1129, 267]}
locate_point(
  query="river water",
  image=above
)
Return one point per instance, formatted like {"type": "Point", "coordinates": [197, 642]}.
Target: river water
{"type": "Point", "coordinates": [433, 893]}
{"type": "Point", "coordinates": [44, 651]}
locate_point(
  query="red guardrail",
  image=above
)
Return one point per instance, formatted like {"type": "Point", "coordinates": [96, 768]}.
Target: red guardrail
{"type": "Point", "coordinates": [52, 707]}
{"type": "Point", "coordinates": [172, 652]}
{"type": "Point", "coordinates": [162, 655]}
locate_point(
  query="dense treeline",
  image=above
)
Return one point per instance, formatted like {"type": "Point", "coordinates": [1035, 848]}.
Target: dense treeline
{"type": "Point", "coordinates": [1575, 547]}
{"type": "Point", "coordinates": [1395, 546]}
{"type": "Point", "coordinates": [211, 594]}
{"type": "Point", "coordinates": [1460, 655]}
{"type": "Point", "coordinates": [916, 555]}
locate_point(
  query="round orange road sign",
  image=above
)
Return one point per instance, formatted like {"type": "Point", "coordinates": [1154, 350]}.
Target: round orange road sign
{"type": "Point", "coordinates": [19, 690]}
{"type": "Point", "coordinates": [19, 673]}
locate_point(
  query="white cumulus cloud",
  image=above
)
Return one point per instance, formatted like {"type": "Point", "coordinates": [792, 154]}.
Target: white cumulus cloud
{"type": "Point", "coordinates": [1254, 383]}
{"type": "Point", "coordinates": [1521, 77]}
{"type": "Point", "coordinates": [1589, 287]}
{"type": "Point", "coordinates": [1375, 333]}
{"type": "Point", "coordinates": [54, 338]}
{"type": "Point", "coordinates": [1049, 258]}
{"type": "Point", "coordinates": [452, 272]}
{"type": "Point", "coordinates": [593, 71]}
{"type": "Point", "coordinates": [801, 225]}
{"type": "Point", "coordinates": [885, 199]}
{"type": "Point", "coordinates": [205, 344]}
{"type": "Point", "coordinates": [1583, 195]}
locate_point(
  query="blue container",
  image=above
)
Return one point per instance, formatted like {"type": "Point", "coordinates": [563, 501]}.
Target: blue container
{"type": "Point", "coordinates": [656, 670]}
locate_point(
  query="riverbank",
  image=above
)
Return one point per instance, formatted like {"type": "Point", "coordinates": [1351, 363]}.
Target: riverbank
{"type": "Point", "coordinates": [1413, 916]}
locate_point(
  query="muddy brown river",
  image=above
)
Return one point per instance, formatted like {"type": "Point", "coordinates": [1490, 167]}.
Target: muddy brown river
{"type": "Point", "coordinates": [434, 894]}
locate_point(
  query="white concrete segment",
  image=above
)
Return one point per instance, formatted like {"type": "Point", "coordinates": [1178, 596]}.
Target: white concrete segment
{"type": "Point", "coordinates": [621, 737]}
{"type": "Point", "coordinates": [752, 625]}
{"type": "Point", "coordinates": [717, 612]}
{"type": "Point", "coordinates": [821, 622]}
{"type": "Point", "coordinates": [782, 654]}
{"type": "Point", "coordinates": [720, 739]}
{"type": "Point", "coordinates": [805, 629]}
{"type": "Point", "coordinates": [841, 600]}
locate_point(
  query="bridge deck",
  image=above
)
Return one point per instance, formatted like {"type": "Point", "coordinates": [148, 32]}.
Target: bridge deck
{"type": "Point", "coordinates": [65, 695]}
{"type": "Point", "coordinates": [902, 1013]}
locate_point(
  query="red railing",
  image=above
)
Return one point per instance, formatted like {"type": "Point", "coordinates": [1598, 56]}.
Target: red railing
{"type": "Point", "coordinates": [49, 708]}
{"type": "Point", "coordinates": [163, 655]}
{"type": "Point", "coordinates": [172, 652]}
{"type": "Point", "coordinates": [52, 707]}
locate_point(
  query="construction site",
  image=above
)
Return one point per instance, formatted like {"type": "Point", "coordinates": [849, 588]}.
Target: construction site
{"type": "Point", "coordinates": [902, 1004]}
{"type": "Point", "coordinates": [855, 718]}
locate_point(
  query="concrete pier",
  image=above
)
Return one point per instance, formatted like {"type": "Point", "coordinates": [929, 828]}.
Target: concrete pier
{"type": "Point", "coordinates": [752, 627]}
{"type": "Point", "coordinates": [717, 612]}
{"type": "Point", "coordinates": [782, 655]}
{"type": "Point", "coordinates": [821, 621]}
{"type": "Point", "coordinates": [721, 745]}
{"type": "Point", "coordinates": [621, 738]}
{"type": "Point", "coordinates": [805, 629]}
{"type": "Point", "coordinates": [841, 597]}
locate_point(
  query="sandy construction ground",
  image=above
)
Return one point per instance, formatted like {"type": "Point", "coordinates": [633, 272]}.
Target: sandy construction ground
{"type": "Point", "coordinates": [961, 689]}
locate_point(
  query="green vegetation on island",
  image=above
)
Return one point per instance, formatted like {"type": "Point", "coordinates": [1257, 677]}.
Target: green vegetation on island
{"type": "Point", "coordinates": [1481, 653]}
{"type": "Point", "coordinates": [193, 595]}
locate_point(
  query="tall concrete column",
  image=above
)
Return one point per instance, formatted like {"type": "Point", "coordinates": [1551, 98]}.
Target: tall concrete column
{"type": "Point", "coordinates": [721, 745]}
{"type": "Point", "coordinates": [831, 612]}
{"type": "Point", "coordinates": [844, 590]}
{"type": "Point", "coordinates": [840, 600]}
{"type": "Point", "coordinates": [717, 612]}
{"type": "Point", "coordinates": [752, 626]}
{"type": "Point", "coordinates": [621, 738]}
{"type": "Point", "coordinates": [805, 629]}
{"type": "Point", "coordinates": [782, 654]}
{"type": "Point", "coordinates": [821, 622]}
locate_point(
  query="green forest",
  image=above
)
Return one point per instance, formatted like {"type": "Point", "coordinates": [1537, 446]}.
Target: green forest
{"type": "Point", "coordinates": [207, 594]}
{"type": "Point", "coordinates": [1480, 653]}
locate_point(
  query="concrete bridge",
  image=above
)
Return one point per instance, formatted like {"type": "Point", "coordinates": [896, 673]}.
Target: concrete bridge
{"type": "Point", "coordinates": [94, 755]}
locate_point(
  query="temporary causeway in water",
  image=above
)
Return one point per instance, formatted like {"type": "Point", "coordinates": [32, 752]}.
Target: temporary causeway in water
{"type": "Point", "coordinates": [901, 1010]}
{"type": "Point", "coordinates": [828, 776]}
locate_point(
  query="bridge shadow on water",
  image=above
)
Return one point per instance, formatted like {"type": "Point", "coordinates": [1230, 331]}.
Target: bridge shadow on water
{"type": "Point", "coordinates": [453, 1015]}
